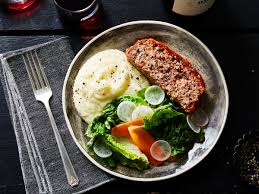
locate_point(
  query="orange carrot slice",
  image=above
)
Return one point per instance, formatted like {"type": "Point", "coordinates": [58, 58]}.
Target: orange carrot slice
{"type": "Point", "coordinates": [143, 140]}
{"type": "Point", "coordinates": [121, 130]}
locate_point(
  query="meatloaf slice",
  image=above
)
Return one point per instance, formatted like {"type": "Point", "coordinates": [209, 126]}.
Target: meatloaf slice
{"type": "Point", "coordinates": [164, 67]}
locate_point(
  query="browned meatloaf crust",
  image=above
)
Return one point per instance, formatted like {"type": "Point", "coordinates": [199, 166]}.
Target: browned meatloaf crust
{"type": "Point", "coordinates": [164, 67]}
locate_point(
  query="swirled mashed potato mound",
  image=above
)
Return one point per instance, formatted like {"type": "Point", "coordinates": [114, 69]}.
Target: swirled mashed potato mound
{"type": "Point", "coordinates": [102, 78]}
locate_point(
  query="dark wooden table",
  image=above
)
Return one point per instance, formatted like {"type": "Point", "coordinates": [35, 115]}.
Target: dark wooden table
{"type": "Point", "coordinates": [230, 30]}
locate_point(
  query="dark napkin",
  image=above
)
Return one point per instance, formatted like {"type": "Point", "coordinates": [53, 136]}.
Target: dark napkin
{"type": "Point", "coordinates": [40, 160]}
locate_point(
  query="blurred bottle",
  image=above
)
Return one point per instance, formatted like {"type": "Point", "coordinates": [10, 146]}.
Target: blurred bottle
{"type": "Point", "coordinates": [83, 14]}
{"type": "Point", "coordinates": [18, 5]}
{"type": "Point", "coordinates": [188, 7]}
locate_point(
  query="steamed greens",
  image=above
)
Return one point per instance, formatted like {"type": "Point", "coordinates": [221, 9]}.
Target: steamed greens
{"type": "Point", "coordinates": [108, 118]}
{"type": "Point", "coordinates": [127, 153]}
{"type": "Point", "coordinates": [171, 125]}
{"type": "Point", "coordinates": [167, 123]}
{"type": "Point", "coordinates": [124, 151]}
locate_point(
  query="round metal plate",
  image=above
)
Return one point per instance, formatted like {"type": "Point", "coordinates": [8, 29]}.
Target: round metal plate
{"type": "Point", "coordinates": [214, 102]}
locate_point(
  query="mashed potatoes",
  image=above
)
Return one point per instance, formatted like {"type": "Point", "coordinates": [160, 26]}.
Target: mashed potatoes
{"type": "Point", "coordinates": [103, 77]}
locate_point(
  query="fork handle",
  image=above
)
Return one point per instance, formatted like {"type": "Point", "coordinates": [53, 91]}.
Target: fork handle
{"type": "Point", "coordinates": [69, 169]}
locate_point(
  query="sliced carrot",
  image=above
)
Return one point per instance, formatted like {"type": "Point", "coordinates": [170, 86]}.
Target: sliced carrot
{"type": "Point", "coordinates": [143, 140]}
{"type": "Point", "coordinates": [122, 129]}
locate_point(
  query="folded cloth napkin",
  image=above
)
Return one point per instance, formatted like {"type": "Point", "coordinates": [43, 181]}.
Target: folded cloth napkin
{"type": "Point", "coordinates": [40, 160]}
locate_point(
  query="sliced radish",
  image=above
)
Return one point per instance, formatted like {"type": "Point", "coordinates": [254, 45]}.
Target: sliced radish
{"type": "Point", "coordinates": [199, 118]}
{"type": "Point", "coordinates": [154, 95]}
{"type": "Point", "coordinates": [124, 110]}
{"type": "Point", "coordinates": [101, 150]}
{"type": "Point", "coordinates": [195, 128]}
{"type": "Point", "coordinates": [160, 150]}
{"type": "Point", "coordinates": [142, 112]}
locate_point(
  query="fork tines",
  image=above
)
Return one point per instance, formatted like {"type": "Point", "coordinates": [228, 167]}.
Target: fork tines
{"type": "Point", "coordinates": [35, 70]}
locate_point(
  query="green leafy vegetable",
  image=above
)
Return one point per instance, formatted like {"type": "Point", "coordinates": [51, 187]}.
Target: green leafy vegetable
{"type": "Point", "coordinates": [136, 99]}
{"type": "Point", "coordinates": [162, 115]}
{"type": "Point", "coordinates": [108, 118]}
{"type": "Point", "coordinates": [141, 93]}
{"type": "Point", "coordinates": [103, 123]}
{"type": "Point", "coordinates": [171, 125]}
{"type": "Point", "coordinates": [101, 127]}
{"type": "Point", "coordinates": [167, 101]}
{"type": "Point", "coordinates": [109, 161]}
{"type": "Point", "coordinates": [167, 123]}
{"type": "Point", "coordinates": [126, 152]}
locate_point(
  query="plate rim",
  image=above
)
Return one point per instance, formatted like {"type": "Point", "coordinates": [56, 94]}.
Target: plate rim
{"type": "Point", "coordinates": [116, 173]}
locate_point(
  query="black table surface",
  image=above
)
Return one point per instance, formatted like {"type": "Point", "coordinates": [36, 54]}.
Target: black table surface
{"type": "Point", "coordinates": [230, 30]}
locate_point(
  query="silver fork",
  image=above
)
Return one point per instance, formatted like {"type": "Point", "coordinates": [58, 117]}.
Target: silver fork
{"type": "Point", "coordinates": [43, 93]}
